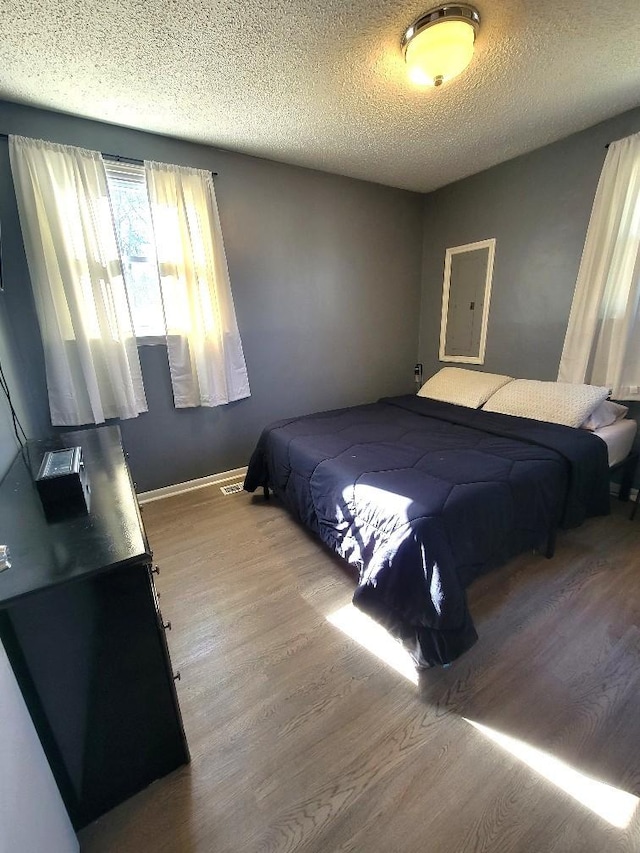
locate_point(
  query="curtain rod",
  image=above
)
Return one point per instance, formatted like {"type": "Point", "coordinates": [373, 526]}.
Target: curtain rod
{"type": "Point", "coordinates": [133, 160]}
{"type": "Point", "coordinates": [119, 158]}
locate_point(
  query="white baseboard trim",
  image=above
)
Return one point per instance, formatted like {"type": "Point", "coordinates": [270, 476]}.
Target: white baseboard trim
{"type": "Point", "coordinates": [191, 485]}
{"type": "Point", "coordinates": [237, 473]}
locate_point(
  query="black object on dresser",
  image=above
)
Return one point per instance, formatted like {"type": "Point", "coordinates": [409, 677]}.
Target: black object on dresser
{"type": "Point", "coordinates": [80, 622]}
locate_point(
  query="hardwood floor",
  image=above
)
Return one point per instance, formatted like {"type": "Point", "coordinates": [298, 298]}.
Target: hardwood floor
{"type": "Point", "coordinates": [302, 739]}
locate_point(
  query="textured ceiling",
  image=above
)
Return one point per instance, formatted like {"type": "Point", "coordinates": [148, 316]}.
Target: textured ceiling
{"type": "Point", "coordinates": [324, 85]}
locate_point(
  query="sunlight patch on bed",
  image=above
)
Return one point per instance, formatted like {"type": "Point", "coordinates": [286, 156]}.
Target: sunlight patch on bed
{"type": "Point", "coordinates": [615, 806]}
{"type": "Point", "coordinates": [374, 639]}
{"type": "Point", "coordinates": [390, 504]}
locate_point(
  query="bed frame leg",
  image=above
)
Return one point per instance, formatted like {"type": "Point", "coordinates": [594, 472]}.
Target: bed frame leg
{"type": "Point", "coordinates": [265, 490]}
{"type": "Point", "coordinates": [628, 470]}
{"type": "Point", "coordinates": [550, 550]}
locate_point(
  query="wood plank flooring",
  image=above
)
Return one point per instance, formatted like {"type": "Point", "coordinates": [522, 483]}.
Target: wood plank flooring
{"type": "Point", "coordinates": [302, 739]}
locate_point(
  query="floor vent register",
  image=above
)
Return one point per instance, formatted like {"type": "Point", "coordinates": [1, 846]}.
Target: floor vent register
{"type": "Point", "coordinates": [231, 489]}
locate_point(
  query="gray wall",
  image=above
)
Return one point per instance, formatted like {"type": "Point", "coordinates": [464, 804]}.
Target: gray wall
{"type": "Point", "coordinates": [538, 208]}
{"type": "Point", "coordinates": [8, 444]}
{"type": "Point", "coordinates": [21, 361]}
{"type": "Point", "coordinates": [326, 280]}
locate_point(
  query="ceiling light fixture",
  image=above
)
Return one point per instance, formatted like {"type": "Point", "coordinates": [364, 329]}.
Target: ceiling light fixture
{"type": "Point", "coordinates": [439, 45]}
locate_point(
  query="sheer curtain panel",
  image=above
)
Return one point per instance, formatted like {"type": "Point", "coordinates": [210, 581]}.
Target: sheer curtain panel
{"type": "Point", "coordinates": [602, 344]}
{"type": "Point", "coordinates": [91, 357]}
{"type": "Point", "coordinates": [206, 360]}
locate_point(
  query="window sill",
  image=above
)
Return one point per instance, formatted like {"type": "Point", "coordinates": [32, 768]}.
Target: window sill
{"type": "Point", "coordinates": [150, 340]}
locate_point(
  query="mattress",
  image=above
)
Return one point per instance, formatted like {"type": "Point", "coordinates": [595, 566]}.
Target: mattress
{"type": "Point", "coordinates": [619, 439]}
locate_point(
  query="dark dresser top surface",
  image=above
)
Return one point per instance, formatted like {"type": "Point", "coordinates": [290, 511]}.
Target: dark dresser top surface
{"type": "Point", "coordinates": [47, 553]}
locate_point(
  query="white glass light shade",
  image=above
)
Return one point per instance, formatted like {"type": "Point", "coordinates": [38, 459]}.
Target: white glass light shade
{"type": "Point", "coordinates": [439, 52]}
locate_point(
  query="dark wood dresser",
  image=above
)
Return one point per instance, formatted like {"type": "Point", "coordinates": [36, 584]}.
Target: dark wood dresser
{"type": "Point", "coordinates": [80, 622]}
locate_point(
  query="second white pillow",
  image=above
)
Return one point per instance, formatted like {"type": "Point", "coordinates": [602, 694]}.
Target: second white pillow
{"type": "Point", "coordinates": [555, 402]}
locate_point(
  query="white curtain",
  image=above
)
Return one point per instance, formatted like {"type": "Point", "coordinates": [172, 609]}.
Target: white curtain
{"type": "Point", "coordinates": [205, 351]}
{"type": "Point", "coordinates": [602, 344]}
{"type": "Point", "coordinates": [91, 358]}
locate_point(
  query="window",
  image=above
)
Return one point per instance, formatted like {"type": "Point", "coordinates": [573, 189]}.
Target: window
{"type": "Point", "coordinates": [602, 343]}
{"type": "Point", "coordinates": [91, 238]}
{"type": "Point", "coordinates": [134, 232]}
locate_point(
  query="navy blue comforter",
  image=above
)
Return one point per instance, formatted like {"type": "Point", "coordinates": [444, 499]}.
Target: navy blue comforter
{"type": "Point", "coordinates": [423, 496]}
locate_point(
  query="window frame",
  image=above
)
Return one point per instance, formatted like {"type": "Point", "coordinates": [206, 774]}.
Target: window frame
{"type": "Point", "coordinates": [113, 164]}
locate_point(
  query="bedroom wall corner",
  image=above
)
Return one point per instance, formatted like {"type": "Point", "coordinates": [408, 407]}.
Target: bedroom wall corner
{"type": "Point", "coordinates": [326, 277]}
{"type": "Point", "coordinates": [537, 206]}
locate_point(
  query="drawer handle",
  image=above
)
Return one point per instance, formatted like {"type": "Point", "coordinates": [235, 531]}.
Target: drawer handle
{"type": "Point", "coordinates": [167, 627]}
{"type": "Point", "coordinates": [176, 676]}
{"type": "Point", "coordinates": [155, 570]}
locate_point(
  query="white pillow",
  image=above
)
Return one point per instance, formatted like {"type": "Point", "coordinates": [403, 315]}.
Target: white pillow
{"type": "Point", "coordinates": [469, 388]}
{"type": "Point", "coordinates": [606, 414]}
{"type": "Point", "coordinates": [555, 402]}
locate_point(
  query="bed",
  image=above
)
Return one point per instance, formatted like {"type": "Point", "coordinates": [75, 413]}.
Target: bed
{"type": "Point", "coordinates": [422, 496]}
{"type": "Point", "coordinates": [619, 438]}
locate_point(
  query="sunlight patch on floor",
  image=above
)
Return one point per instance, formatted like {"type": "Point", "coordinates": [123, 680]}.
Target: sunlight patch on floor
{"type": "Point", "coordinates": [615, 806]}
{"type": "Point", "coordinates": [374, 639]}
